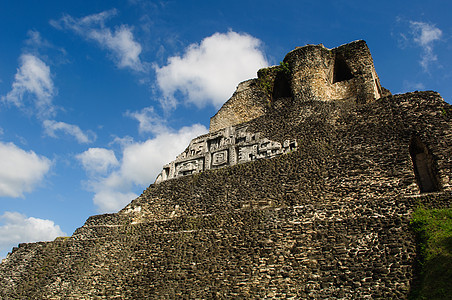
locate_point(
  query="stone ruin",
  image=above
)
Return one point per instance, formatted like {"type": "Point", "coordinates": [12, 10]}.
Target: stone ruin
{"type": "Point", "coordinates": [312, 72]}
{"type": "Point", "coordinates": [325, 216]}
{"type": "Point", "coordinates": [226, 147]}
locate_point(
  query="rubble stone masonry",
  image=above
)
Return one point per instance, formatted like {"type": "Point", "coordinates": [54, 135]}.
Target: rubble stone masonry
{"type": "Point", "coordinates": [329, 220]}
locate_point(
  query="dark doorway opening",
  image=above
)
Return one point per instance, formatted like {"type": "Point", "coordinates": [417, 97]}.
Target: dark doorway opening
{"type": "Point", "coordinates": [341, 70]}
{"type": "Point", "coordinates": [426, 176]}
{"type": "Point", "coordinates": [281, 87]}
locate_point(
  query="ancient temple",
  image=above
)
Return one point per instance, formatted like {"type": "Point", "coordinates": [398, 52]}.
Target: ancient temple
{"type": "Point", "coordinates": [303, 188]}
{"type": "Point", "coordinates": [226, 147]}
{"type": "Point", "coordinates": [312, 72]}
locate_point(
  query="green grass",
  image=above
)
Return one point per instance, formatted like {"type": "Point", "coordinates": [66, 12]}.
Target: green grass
{"type": "Point", "coordinates": [433, 228]}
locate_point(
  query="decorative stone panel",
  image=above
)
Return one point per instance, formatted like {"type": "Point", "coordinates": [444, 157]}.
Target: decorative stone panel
{"type": "Point", "coordinates": [223, 148]}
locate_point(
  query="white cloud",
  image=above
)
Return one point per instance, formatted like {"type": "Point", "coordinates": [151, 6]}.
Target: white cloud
{"type": "Point", "coordinates": [412, 86]}
{"type": "Point", "coordinates": [51, 126]}
{"type": "Point", "coordinates": [120, 41]}
{"type": "Point", "coordinates": [209, 72]}
{"type": "Point", "coordinates": [20, 171]}
{"type": "Point", "coordinates": [122, 141]}
{"type": "Point", "coordinates": [149, 121]}
{"type": "Point", "coordinates": [140, 164]}
{"type": "Point", "coordinates": [17, 228]}
{"type": "Point", "coordinates": [35, 43]}
{"type": "Point", "coordinates": [35, 40]}
{"type": "Point", "coordinates": [425, 35]}
{"type": "Point", "coordinates": [110, 200]}
{"type": "Point", "coordinates": [154, 153]}
{"type": "Point", "coordinates": [98, 160]}
{"type": "Point", "coordinates": [33, 78]}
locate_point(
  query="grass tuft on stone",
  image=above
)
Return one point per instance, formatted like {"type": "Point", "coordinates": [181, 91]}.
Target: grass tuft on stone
{"type": "Point", "coordinates": [433, 228]}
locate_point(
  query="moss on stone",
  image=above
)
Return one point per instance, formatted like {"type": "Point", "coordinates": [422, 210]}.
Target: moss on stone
{"type": "Point", "coordinates": [433, 228]}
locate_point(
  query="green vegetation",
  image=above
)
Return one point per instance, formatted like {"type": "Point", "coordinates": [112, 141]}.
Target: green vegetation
{"type": "Point", "coordinates": [266, 81]}
{"type": "Point", "coordinates": [267, 76]}
{"type": "Point", "coordinates": [284, 67]}
{"type": "Point", "coordinates": [433, 229]}
{"type": "Point", "coordinates": [445, 111]}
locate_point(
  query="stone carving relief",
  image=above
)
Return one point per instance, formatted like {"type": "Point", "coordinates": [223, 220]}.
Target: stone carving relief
{"type": "Point", "coordinates": [227, 147]}
{"type": "Point", "coordinates": [189, 167]}
{"type": "Point", "coordinates": [219, 158]}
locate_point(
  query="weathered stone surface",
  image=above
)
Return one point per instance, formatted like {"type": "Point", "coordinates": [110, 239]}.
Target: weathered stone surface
{"type": "Point", "coordinates": [343, 73]}
{"type": "Point", "coordinates": [312, 72]}
{"type": "Point", "coordinates": [227, 147]}
{"type": "Point", "coordinates": [248, 102]}
{"type": "Point", "coordinates": [329, 220]}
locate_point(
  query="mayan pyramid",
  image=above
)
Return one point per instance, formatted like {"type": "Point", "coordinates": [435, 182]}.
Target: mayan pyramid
{"type": "Point", "coordinates": [303, 188]}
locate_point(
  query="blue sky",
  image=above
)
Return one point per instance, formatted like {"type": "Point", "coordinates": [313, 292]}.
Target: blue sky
{"type": "Point", "coordinates": [95, 98]}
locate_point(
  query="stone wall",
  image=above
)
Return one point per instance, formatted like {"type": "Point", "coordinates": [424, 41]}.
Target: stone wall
{"type": "Point", "coordinates": [312, 72]}
{"type": "Point", "coordinates": [227, 147]}
{"type": "Point", "coordinates": [248, 102]}
{"type": "Point", "coordinates": [330, 220]}
{"type": "Point", "coordinates": [343, 73]}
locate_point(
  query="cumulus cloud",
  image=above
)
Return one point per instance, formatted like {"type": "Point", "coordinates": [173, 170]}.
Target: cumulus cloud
{"type": "Point", "coordinates": [425, 35]}
{"type": "Point", "coordinates": [149, 121]}
{"type": "Point", "coordinates": [33, 79]}
{"type": "Point", "coordinates": [111, 200]}
{"type": "Point", "coordinates": [51, 126]}
{"type": "Point", "coordinates": [207, 73]}
{"type": "Point", "coordinates": [17, 228]}
{"type": "Point", "coordinates": [140, 164]}
{"type": "Point", "coordinates": [122, 141]}
{"type": "Point", "coordinates": [33, 87]}
{"type": "Point", "coordinates": [98, 160]}
{"type": "Point", "coordinates": [20, 171]}
{"type": "Point", "coordinates": [120, 42]}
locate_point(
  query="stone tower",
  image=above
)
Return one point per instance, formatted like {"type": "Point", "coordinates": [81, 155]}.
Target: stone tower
{"type": "Point", "coordinates": [312, 72]}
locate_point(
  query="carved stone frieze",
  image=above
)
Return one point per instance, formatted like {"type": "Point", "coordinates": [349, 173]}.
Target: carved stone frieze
{"type": "Point", "coordinates": [229, 146]}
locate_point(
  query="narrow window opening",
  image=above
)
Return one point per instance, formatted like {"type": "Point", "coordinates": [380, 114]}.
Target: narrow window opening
{"type": "Point", "coordinates": [241, 140]}
{"type": "Point", "coordinates": [213, 144]}
{"type": "Point", "coordinates": [423, 166]}
{"type": "Point", "coordinates": [341, 70]}
{"type": "Point", "coordinates": [166, 172]}
{"type": "Point", "coordinates": [185, 173]}
{"type": "Point", "coordinates": [378, 87]}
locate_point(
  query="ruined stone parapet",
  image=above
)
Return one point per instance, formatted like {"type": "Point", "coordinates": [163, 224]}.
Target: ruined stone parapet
{"type": "Point", "coordinates": [247, 103]}
{"type": "Point", "coordinates": [312, 72]}
{"type": "Point", "coordinates": [343, 73]}
{"type": "Point", "coordinates": [229, 146]}
{"type": "Point", "coordinates": [308, 73]}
